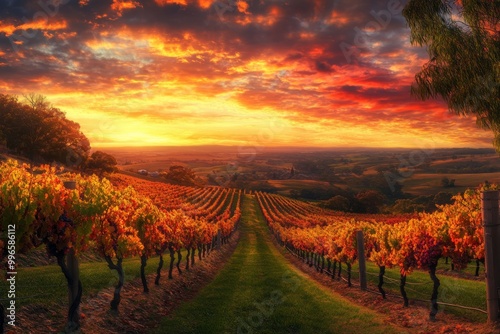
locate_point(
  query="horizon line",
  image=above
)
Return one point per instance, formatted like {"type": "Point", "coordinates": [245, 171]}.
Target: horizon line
{"type": "Point", "coordinates": [295, 147]}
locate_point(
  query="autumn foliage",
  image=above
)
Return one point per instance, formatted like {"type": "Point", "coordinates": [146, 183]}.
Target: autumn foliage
{"type": "Point", "coordinates": [407, 242]}
{"type": "Point", "coordinates": [121, 218]}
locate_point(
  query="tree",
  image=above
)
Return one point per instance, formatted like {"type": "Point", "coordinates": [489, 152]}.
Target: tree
{"type": "Point", "coordinates": [100, 163]}
{"type": "Point", "coordinates": [406, 206]}
{"type": "Point", "coordinates": [447, 183]}
{"type": "Point", "coordinates": [181, 175]}
{"type": "Point", "coordinates": [39, 131]}
{"type": "Point", "coordinates": [463, 42]}
{"type": "Point", "coordinates": [338, 203]}
{"type": "Point", "coordinates": [263, 186]}
{"type": "Point", "coordinates": [36, 101]}
{"type": "Point", "coordinates": [442, 198]}
{"type": "Point", "coordinates": [372, 200]}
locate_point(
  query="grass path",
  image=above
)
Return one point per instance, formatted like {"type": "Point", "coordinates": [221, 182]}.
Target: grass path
{"type": "Point", "coordinates": [258, 291]}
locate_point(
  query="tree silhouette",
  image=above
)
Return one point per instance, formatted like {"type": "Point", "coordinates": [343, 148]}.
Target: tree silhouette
{"type": "Point", "coordinates": [100, 162]}
{"type": "Point", "coordinates": [371, 200]}
{"type": "Point", "coordinates": [40, 132]}
{"type": "Point", "coordinates": [180, 175]}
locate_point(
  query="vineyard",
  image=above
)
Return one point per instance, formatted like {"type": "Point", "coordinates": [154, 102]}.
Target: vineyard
{"type": "Point", "coordinates": [117, 219]}
{"type": "Point", "coordinates": [328, 239]}
{"type": "Point", "coordinates": [123, 217]}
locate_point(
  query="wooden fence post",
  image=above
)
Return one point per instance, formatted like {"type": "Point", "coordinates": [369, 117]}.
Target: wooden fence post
{"type": "Point", "coordinates": [361, 259]}
{"type": "Point", "coordinates": [491, 225]}
{"type": "Point", "coordinates": [73, 267]}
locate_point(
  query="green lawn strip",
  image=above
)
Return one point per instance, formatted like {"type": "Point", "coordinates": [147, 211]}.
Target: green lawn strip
{"type": "Point", "coordinates": [258, 291]}
{"type": "Point", "coordinates": [46, 285]}
{"type": "Point", "coordinates": [452, 290]}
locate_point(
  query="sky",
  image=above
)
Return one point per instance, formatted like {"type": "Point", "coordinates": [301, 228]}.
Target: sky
{"type": "Point", "coordinates": [326, 73]}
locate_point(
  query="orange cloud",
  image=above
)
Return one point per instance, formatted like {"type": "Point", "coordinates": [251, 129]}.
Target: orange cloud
{"type": "Point", "coordinates": [121, 5]}
{"type": "Point", "coordinates": [264, 20]}
{"type": "Point", "coordinates": [168, 2]}
{"type": "Point", "coordinates": [337, 19]}
{"type": "Point", "coordinates": [9, 29]}
{"type": "Point", "coordinates": [205, 3]}
{"type": "Point", "coordinates": [242, 7]}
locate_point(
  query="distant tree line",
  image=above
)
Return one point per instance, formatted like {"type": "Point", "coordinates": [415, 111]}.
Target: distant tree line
{"type": "Point", "coordinates": [372, 201]}
{"type": "Point", "coordinates": [447, 183]}
{"type": "Point", "coordinates": [368, 201]}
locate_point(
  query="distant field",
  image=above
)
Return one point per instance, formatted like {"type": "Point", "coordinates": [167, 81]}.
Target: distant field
{"type": "Point", "coordinates": [164, 165]}
{"type": "Point", "coordinates": [424, 184]}
{"type": "Point", "coordinates": [492, 158]}
{"type": "Point", "coordinates": [284, 186]}
{"type": "Point", "coordinates": [354, 168]}
{"type": "Point", "coordinates": [149, 166]}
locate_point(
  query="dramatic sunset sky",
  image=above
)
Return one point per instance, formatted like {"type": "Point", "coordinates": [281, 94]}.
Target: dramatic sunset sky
{"type": "Point", "coordinates": [195, 72]}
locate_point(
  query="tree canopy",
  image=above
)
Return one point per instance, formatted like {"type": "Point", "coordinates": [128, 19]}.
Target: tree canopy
{"type": "Point", "coordinates": [100, 162]}
{"type": "Point", "coordinates": [180, 175]}
{"type": "Point", "coordinates": [463, 42]}
{"type": "Point", "coordinates": [40, 132]}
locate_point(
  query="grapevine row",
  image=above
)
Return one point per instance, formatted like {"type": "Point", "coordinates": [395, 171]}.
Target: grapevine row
{"type": "Point", "coordinates": [116, 219]}
{"type": "Point", "coordinates": [405, 242]}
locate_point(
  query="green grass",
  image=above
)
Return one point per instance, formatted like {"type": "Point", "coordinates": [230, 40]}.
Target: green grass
{"type": "Point", "coordinates": [45, 285]}
{"type": "Point", "coordinates": [259, 291]}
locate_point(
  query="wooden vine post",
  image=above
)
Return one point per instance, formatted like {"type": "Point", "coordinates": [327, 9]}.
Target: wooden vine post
{"type": "Point", "coordinates": [361, 259]}
{"type": "Point", "coordinates": [74, 294]}
{"type": "Point", "coordinates": [491, 225]}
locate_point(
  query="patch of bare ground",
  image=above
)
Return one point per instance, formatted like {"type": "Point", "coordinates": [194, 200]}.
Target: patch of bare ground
{"type": "Point", "coordinates": [138, 312]}
{"type": "Point", "coordinates": [415, 318]}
